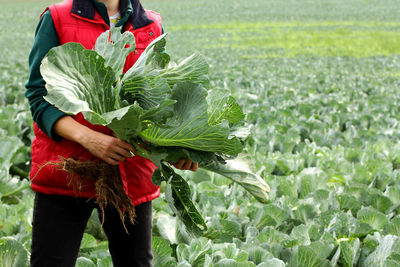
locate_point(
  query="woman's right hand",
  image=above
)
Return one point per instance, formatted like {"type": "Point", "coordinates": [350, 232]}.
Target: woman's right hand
{"type": "Point", "coordinates": [186, 164]}
{"type": "Point", "coordinates": [108, 148]}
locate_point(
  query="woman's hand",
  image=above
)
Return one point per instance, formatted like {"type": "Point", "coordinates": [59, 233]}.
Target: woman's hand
{"type": "Point", "coordinates": [186, 164]}
{"type": "Point", "coordinates": [108, 148]}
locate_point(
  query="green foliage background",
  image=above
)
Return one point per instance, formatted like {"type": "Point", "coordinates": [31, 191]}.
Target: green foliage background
{"type": "Point", "coordinates": [319, 81]}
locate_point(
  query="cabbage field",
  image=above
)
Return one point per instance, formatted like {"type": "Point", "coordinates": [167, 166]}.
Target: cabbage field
{"type": "Point", "coordinates": [319, 81]}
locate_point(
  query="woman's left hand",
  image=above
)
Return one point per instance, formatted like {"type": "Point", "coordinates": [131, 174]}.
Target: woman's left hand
{"type": "Point", "coordinates": [186, 164]}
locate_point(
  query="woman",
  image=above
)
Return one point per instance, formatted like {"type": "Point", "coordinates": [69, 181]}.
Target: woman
{"type": "Point", "coordinates": [61, 212]}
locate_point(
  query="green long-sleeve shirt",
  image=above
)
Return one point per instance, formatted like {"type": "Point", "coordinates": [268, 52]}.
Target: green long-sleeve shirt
{"type": "Point", "coordinates": [44, 114]}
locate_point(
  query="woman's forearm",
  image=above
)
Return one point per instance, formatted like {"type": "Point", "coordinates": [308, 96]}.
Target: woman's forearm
{"type": "Point", "coordinates": [108, 148]}
{"type": "Point", "coordinates": [67, 127]}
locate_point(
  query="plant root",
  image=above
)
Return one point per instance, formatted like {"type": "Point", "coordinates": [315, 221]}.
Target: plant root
{"type": "Point", "coordinates": [109, 187]}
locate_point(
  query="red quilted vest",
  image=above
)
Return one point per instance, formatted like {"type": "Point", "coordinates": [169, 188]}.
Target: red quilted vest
{"type": "Point", "coordinates": [135, 172]}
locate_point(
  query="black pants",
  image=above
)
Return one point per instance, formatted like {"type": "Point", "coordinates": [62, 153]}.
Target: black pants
{"type": "Point", "coordinates": [59, 223]}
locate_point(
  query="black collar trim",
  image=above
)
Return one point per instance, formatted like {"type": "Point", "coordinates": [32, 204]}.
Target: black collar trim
{"type": "Point", "coordinates": [138, 18]}
{"type": "Point", "coordinates": [83, 8]}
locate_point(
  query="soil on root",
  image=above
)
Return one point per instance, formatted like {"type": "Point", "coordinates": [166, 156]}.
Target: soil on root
{"type": "Point", "coordinates": [108, 184]}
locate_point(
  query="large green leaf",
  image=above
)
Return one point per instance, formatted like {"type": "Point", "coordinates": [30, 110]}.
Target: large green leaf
{"type": "Point", "coordinates": [114, 48]}
{"type": "Point", "coordinates": [127, 126]}
{"type": "Point", "coordinates": [142, 83]}
{"type": "Point", "coordinates": [77, 81]}
{"type": "Point", "coordinates": [239, 172]}
{"type": "Point", "coordinates": [193, 68]}
{"type": "Point", "coordinates": [191, 125]}
{"type": "Point", "coordinates": [222, 106]}
{"type": "Point", "coordinates": [128, 122]}
{"type": "Point", "coordinates": [159, 114]}
{"type": "Point", "coordinates": [153, 87]}
{"type": "Point", "coordinates": [148, 90]}
{"type": "Point", "coordinates": [153, 57]}
{"type": "Point", "coordinates": [178, 196]}
{"type": "Point", "coordinates": [154, 62]}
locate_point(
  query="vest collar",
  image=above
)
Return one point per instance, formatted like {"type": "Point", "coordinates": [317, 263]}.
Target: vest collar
{"type": "Point", "coordinates": [83, 8]}
{"type": "Point", "coordinates": [138, 18]}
